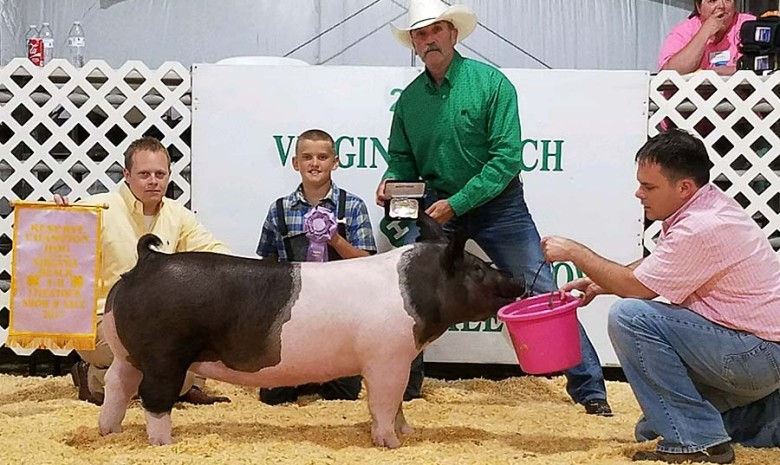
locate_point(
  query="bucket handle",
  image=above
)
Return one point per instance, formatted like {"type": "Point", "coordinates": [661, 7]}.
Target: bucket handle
{"type": "Point", "coordinates": [529, 292]}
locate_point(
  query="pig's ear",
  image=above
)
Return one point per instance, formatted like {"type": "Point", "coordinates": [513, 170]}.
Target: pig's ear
{"type": "Point", "coordinates": [430, 229]}
{"type": "Point", "coordinates": [453, 254]}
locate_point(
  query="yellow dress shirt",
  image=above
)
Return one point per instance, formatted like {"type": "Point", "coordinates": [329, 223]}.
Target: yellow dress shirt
{"type": "Point", "coordinates": [124, 224]}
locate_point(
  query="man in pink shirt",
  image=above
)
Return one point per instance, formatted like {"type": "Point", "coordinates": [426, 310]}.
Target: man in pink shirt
{"type": "Point", "coordinates": [705, 368]}
{"type": "Point", "coordinates": [708, 39]}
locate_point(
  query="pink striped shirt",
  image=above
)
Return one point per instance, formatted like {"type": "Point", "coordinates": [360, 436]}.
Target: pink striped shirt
{"type": "Point", "coordinates": [713, 258]}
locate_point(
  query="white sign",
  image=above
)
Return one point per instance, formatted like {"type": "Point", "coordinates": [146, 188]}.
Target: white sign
{"type": "Point", "coordinates": [580, 132]}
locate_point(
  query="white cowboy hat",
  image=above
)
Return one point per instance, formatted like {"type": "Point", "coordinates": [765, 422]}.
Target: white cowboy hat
{"type": "Point", "coordinates": [425, 12]}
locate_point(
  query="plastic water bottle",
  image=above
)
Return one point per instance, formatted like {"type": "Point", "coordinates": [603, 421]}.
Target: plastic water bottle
{"type": "Point", "coordinates": [76, 43]}
{"type": "Point", "coordinates": [32, 33]}
{"type": "Point", "coordinates": [33, 45]}
{"type": "Point", "coordinates": [48, 43]}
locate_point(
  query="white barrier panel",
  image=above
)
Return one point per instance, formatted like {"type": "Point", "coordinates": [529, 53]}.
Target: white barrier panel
{"type": "Point", "coordinates": [738, 118]}
{"type": "Point", "coordinates": [581, 130]}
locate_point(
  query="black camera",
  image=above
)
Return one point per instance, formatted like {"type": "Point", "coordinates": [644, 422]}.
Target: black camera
{"type": "Point", "coordinates": [760, 45]}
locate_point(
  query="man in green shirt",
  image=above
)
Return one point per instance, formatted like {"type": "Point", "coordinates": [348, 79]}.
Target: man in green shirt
{"type": "Point", "coordinates": [457, 127]}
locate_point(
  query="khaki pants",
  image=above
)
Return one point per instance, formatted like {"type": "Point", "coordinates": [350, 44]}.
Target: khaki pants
{"type": "Point", "coordinates": [100, 359]}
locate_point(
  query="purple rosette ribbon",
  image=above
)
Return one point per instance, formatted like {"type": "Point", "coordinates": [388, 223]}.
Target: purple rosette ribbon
{"type": "Point", "coordinates": [320, 225]}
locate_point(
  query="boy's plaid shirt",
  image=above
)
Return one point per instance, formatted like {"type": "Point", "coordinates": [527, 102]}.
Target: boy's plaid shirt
{"type": "Point", "coordinates": [358, 224]}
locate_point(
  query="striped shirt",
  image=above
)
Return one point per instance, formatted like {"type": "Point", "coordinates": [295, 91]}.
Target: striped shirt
{"type": "Point", "coordinates": [713, 259]}
{"type": "Point", "coordinates": [295, 206]}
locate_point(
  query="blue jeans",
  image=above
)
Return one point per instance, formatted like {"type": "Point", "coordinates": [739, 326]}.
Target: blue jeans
{"type": "Point", "coordinates": [505, 231]}
{"type": "Point", "coordinates": [699, 384]}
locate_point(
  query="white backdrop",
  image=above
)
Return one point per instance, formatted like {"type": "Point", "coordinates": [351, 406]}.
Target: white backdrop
{"type": "Point", "coordinates": [245, 119]}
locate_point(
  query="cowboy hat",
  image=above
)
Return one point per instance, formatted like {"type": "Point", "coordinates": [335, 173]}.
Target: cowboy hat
{"type": "Point", "coordinates": [425, 12]}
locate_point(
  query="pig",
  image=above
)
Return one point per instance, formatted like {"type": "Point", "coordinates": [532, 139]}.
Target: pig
{"type": "Point", "coordinates": [263, 323]}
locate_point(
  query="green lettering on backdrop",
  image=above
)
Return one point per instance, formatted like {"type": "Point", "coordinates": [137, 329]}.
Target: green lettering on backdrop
{"type": "Point", "coordinates": [283, 153]}
{"type": "Point", "coordinates": [546, 154]}
{"type": "Point", "coordinates": [395, 91]}
{"type": "Point", "coordinates": [353, 152]}
{"type": "Point", "coordinates": [345, 148]}
{"type": "Point", "coordinates": [362, 152]}
{"type": "Point", "coordinates": [376, 146]}
{"type": "Point", "coordinates": [523, 153]}
{"type": "Point", "coordinates": [572, 272]}
{"type": "Point", "coordinates": [470, 326]}
{"type": "Point", "coordinates": [345, 159]}
{"type": "Point", "coordinates": [527, 155]}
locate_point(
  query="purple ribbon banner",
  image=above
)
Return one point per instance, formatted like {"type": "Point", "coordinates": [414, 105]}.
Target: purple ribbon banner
{"type": "Point", "coordinates": [320, 225]}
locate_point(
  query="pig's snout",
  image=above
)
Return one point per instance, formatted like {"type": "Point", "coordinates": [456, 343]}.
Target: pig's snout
{"type": "Point", "coordinates": [511, 287]}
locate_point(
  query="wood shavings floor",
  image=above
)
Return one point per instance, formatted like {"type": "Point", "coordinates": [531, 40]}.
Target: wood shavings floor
{"type": "Point", "coordinates": [515, 421]}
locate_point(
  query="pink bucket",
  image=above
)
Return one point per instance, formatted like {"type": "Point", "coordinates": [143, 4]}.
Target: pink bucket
{"type": "Point", "coordinates": [546, 337]}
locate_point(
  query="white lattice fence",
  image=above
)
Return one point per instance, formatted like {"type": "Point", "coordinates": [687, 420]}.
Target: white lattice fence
{"type": "Point", "coordinates": [739, 120]}
{"type": "Point", "coordinates": [64, 130]}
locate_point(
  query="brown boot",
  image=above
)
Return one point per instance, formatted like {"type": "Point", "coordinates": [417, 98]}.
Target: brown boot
{"type": "Point", "coordinates": [78, 374]}
{"type": "Point", "coordinates": [196, 396]}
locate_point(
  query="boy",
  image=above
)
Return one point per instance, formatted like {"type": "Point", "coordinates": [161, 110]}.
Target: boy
{"type": "Point", "coordinates": [283, 237]}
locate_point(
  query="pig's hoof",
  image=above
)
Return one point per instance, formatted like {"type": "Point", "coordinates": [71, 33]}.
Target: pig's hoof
{"type": "Point", "coordinates": [389, 440]}
{"type": "Point", "coordinates": [160, 440]}
{"type": "Point", "coordinates": [404, 428]}
{"type": "Point", "coordinates": [105, 430]}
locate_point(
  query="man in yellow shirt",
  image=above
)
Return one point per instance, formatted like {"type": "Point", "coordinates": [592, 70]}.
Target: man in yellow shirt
{"type": "Point", "coordinates": [138, 207]}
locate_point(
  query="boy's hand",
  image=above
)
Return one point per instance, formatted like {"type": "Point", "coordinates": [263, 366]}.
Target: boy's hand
{"type": "Point", "coordinates": [344, 248]}
{"type": "Point", "coordinates": [335, 239]}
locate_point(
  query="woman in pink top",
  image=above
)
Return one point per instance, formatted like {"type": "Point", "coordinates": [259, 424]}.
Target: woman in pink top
{"type": "Point", "coordinates": [708, 39]}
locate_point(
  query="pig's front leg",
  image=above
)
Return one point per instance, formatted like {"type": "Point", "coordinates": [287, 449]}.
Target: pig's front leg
{"type": "Point", "coordinates": [159, 390]}
{"type": "Point", "coordinates": [158, 428]}
{"type": "Point", "coordinates": [385, 395]}
{"type": "Point", "coordinates": [122, 380]}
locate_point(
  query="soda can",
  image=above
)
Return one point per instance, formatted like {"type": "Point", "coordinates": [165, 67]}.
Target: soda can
{"type": "Point", "coordinates": [35, 51]}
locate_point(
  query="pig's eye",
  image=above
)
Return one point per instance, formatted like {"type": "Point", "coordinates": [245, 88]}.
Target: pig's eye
{"type": "Point", "coordinates": [479, 273]}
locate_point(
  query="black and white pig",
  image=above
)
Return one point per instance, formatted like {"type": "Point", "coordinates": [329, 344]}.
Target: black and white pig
{"type": "Point", "coordinates": [262, 323]}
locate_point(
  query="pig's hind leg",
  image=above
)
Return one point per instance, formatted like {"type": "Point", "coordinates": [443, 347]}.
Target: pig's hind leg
{"type": "Point", "coordinates": [159, 390]}
{"type": "Point", "coordinates": [385, 395]}
{"type": "Point", "coordinates": [122, 380]}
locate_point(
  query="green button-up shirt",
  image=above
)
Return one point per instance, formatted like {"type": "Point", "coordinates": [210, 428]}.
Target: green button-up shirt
{"type": "Point", "coordinates": [462, 138]}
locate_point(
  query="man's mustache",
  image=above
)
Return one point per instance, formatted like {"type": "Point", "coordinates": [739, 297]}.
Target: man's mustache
{"type": "Point", "coordinates": [431, 48]}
